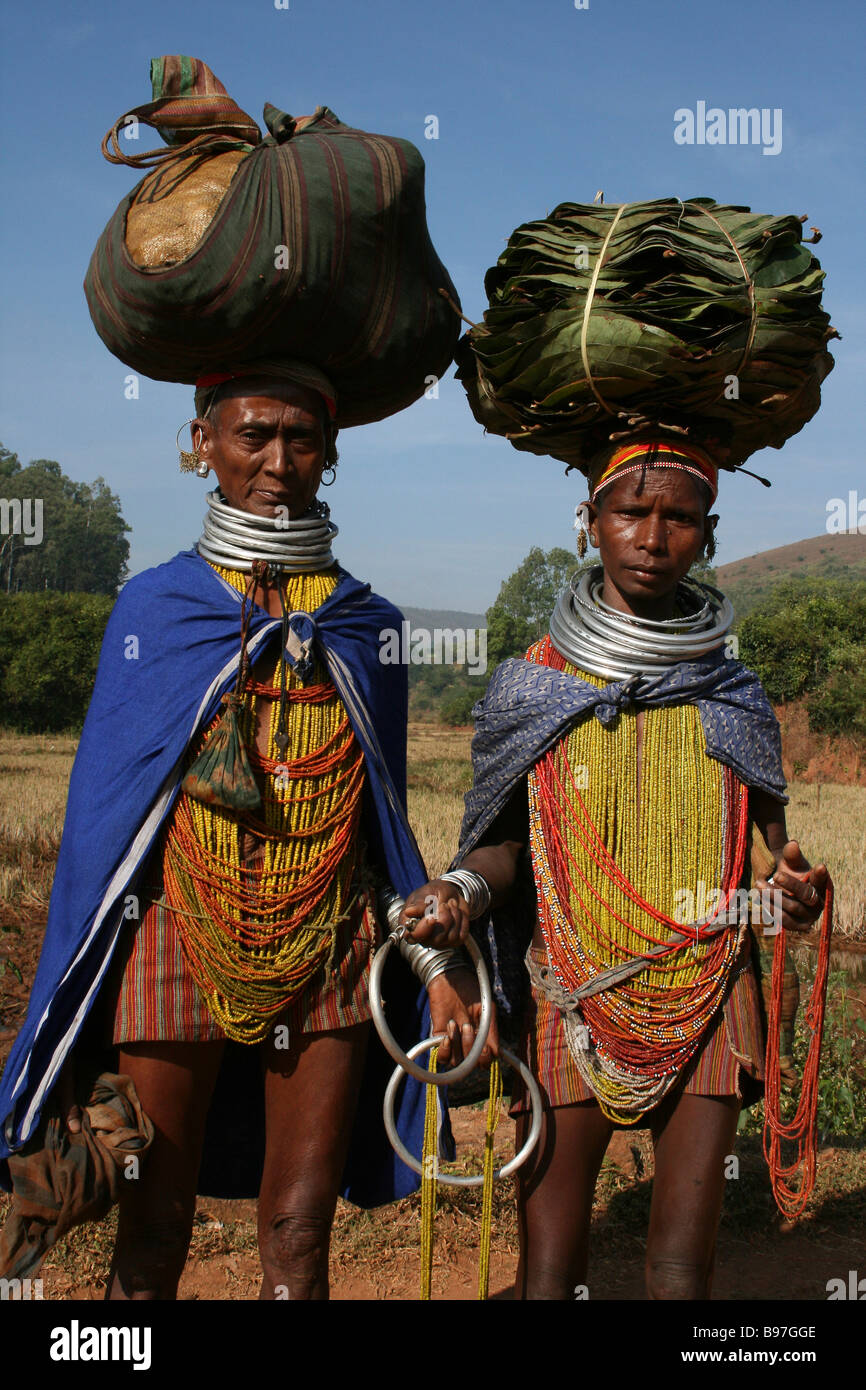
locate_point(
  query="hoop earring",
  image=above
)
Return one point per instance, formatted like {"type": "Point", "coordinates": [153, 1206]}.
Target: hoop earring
{"type": "Point", "coordinates": [333, 472]}
{"type": "Point", "coordinates": [190, 462]}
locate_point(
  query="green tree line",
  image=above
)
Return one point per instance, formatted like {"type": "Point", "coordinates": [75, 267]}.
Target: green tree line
{"type": "Point", "coordinates": [63, 557]}
{"type": "Point", "coordinates": [80, 545]}
{"type": "Point", "coordinates": [806, 640]}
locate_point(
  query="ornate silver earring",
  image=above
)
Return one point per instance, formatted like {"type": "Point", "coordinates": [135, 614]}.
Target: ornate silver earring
{"type": "Point", "coordinates": [581, 518]}
{"type": "Point", "coordinates": [190, 461]}
{"type": "Point", "coordinates": [333, 472]}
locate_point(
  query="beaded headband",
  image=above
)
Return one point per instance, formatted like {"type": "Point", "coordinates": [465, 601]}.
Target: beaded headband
{"type": "Point", "coordinates": [634, 458]}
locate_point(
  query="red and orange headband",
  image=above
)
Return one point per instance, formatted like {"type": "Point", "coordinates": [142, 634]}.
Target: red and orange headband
{"type": "Point", "coordinates": [634, 458]}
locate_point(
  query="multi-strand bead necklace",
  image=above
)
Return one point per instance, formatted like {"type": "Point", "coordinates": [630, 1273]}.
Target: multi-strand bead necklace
{"type": "Point", "coordinates": [256, 928]}
{"type": "Point", "coordinates": [611, 846]}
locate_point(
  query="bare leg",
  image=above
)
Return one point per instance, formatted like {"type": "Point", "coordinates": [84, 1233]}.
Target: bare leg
{"type": "Point", "coordinates": [175, 1082]}
{"type": "Point", "coordinates": [310, 1097]}
{"type": "Point", "coordinates": [555, 1191]}
{"type": "Point", "coordinates": [691, 1138]}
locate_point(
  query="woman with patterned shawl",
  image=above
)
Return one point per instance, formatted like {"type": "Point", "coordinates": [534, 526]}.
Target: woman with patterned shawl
{"type": "Point", "coordinates": [232, 806]}
{"type": "Point", "coordinates": [620, 772]}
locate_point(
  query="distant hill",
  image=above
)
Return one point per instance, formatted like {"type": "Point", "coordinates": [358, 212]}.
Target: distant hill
{"type": "Point", "coordinates": [431, 618]}
{"type": "Point", "coordinates": [747, 582]}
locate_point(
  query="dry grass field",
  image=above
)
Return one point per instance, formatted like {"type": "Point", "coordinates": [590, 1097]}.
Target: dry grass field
{"type": "Point", "coordinates": [34, 777]}
{"type": "Point", "coordinates": [828, 819]}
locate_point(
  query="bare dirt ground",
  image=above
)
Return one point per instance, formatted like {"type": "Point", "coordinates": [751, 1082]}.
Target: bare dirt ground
{"type": "Point", "coordinates": [375, 1256]}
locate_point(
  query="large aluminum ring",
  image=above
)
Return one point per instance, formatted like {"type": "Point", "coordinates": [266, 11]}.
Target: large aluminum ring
{"type": "Point", "coordinates": [390, 1043]}
{"type": "Point", "coordinates": [451, 1179]}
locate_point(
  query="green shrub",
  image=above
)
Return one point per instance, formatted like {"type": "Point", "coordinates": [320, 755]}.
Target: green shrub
{"type": "Point", "coordinates": [49, 651]}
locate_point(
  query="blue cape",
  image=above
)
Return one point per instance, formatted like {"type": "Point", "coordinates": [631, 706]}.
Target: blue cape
{"type": "Point", "coordinates": [170, 651]}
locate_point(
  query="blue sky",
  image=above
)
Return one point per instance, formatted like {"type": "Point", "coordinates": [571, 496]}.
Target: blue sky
{"type": "Point", "coordinates": [538, 103]}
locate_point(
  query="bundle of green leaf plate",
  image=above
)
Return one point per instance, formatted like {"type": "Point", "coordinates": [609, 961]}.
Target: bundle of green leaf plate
{"type": "Point", "coordinates": [692, 316]}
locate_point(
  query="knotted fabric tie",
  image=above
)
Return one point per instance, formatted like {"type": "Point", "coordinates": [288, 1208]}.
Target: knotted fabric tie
{"type": "Point", "coordinates": [299, 644]}
{"type": "Point", "coordinates": [613, 699]}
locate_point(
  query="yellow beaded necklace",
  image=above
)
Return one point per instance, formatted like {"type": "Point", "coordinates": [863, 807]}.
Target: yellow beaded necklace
{"type": "Point", "coordinates": [667, 828]}
{"type": "Point", "coordinates": [254, 933]}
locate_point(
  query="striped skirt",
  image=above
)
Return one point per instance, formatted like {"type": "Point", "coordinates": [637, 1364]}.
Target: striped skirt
{"type": "Point", "coordinates": [729, 1062]}
{"type": "Point", "coordinates": [152, 996]}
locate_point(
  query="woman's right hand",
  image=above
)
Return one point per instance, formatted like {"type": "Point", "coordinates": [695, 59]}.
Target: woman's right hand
{"type": "Point", "coordinates": [436, 915]}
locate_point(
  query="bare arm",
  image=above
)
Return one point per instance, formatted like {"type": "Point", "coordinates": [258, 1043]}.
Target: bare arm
{"type": "Point", "coordinates": [444, 914]}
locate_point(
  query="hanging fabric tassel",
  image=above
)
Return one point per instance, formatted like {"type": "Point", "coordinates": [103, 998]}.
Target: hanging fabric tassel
{"type": "Point", "coordinates": [221, 774]}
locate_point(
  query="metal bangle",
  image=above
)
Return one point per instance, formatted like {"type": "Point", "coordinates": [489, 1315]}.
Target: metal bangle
{"type": "Point", "coordinates": [426, 963]}
{"type": "Point", "coordinates": [475, 889]}
{"type": "Point", "coordinates": [389, 1042]}
{"type": "Point", "coordinates": [454, 1180]}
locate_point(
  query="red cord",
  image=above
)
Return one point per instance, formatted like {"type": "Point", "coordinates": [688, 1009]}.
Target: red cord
{"type": "Point", "coordinates": [803, 1128]}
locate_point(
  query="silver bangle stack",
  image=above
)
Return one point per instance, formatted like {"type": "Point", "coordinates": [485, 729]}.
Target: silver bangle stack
{"type": "Point", "coordinates": [235, 538]}
{"type": "Point", "coordinates": [475, 889]}
{"type": "Point", "coordinates": [424, 961]}
{"type": "Point", "coordinates": [600, 639]}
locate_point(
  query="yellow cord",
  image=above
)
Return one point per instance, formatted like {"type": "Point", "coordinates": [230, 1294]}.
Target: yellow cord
{"type": "Point", "coordinates": [494, 1103]}
{"type": "Point", "coordinates": [430, 1167]}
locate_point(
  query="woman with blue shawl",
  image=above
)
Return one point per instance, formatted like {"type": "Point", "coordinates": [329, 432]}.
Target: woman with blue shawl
{"type": "Point", "coordinates": [237, 798]}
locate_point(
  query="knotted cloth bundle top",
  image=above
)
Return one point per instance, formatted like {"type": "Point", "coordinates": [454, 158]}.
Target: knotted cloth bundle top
{"type": "Point", "coordinates": [309, 241]}
{"type": "Point", "coordinates": [60, 1180]}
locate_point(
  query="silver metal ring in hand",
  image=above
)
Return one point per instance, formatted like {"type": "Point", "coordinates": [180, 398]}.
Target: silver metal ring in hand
{"type": "Point", "coordinates": [453, 1179]}
{"type": "Point", "coordinates": [390, 1043]}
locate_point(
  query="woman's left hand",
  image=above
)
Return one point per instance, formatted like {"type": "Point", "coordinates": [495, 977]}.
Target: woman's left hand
{"type": "Point", "coordinates": [796, 892]}
{"type": "Point", "coordinates": [455, 1010]}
